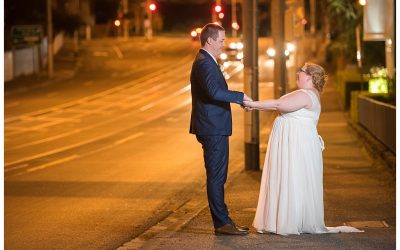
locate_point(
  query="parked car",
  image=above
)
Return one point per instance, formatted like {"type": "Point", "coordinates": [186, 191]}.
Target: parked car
{"type": "Point", "coordinates": [289, 48]}
{"type": "Point", "coordinates": [195, 34]}
{"type": "Point", "coordinates": [233, 52]}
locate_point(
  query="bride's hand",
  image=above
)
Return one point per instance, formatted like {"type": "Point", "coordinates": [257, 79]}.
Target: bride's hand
{"type": "Point", "coordinates": [247, 105]}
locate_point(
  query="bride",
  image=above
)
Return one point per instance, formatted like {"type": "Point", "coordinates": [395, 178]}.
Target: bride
{"type": "Point", "coordinates": [291, 192]}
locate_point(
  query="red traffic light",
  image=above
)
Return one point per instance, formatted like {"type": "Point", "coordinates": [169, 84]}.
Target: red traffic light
{"type": "Point", "coordinates": [218, 8]}
{"type": "Point", "coordinates": [152, 6]}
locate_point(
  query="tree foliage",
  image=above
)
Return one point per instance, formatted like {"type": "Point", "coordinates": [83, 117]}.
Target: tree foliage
{"type": "Point", "coordinates": [344, 16]}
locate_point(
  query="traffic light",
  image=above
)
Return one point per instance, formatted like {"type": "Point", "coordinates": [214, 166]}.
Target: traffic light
{"type": "Point", "coordinates": [218, 8]}
{"type": "Point", "coordinates": [152, 6]}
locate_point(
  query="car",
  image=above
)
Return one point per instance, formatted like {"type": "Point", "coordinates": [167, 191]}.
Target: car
{"type": "Point", "coordinates": [288, 51]}
{"type": "Point", "coordinates": [234, 52]}
{"type": "Point", "coordinates": [195, 34]}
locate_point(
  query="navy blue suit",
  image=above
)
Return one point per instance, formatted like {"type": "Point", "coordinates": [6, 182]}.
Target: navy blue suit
{"type": "Point", "coordinates": [211, 122]}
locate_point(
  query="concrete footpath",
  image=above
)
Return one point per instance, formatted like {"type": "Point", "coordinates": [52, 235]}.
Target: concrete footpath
{"type": "Point", "coordinates": [359, 190]}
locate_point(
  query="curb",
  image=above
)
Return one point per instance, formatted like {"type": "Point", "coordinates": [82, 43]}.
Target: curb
{"type": "Point", "coordinates": [174, 222]}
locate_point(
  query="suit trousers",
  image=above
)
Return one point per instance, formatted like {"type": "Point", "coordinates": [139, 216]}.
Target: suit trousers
{"type": "Point", "coordinates": [216, 157]}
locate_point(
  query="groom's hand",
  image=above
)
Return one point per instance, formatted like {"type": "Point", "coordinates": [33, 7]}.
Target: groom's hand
{"type": "Point", "coordinates": [247, 105]}
{"type": "Point", "coordinates": [246, 98]}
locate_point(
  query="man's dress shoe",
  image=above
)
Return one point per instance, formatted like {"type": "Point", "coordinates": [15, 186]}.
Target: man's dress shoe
{"type": "Point", "coordinates": [240, 228]}
{"type": "Point", "coordinates": [229, 229]}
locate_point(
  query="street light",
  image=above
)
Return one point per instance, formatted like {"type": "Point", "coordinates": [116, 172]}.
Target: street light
{"type": "Point", "coordinates": [235, 25]}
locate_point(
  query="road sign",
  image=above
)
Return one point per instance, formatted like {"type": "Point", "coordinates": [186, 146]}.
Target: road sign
{"type": "Point", "coordinates": [26, 34]}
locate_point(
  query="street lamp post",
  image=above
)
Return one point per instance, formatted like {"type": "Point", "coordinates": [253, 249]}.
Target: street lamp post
{"type": "Point", "coordinates": [234, 19]}
{"type": "Point", "coordinates": [49, 39]}
{"type": "Point", "coordinates": [250, 61]}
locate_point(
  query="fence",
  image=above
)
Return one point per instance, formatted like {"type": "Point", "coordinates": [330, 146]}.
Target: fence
{"type": "Point", "coordinates": [379, 118]}
{"type": "Point", "coordinates": [29, 60]}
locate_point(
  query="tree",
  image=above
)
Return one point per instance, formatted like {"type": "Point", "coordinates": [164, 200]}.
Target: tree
{"type": "Point", "coordinates": [344, 16]}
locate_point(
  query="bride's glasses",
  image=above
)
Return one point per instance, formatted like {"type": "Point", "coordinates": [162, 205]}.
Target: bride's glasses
{"type": "Point", "coordinates": [299, 71]}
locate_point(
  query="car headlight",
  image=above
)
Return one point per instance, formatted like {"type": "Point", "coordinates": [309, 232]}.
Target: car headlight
{"type": "Point", "coordinates": [232, 45]}
{"type": "Point", "coordinates": [239, 56]}
{"type": "Point", "coordinates": [239, 45]}
{"type": "Point", "coordinates": [290, 47]}
{"type": "Point", "coordinates": [287, 52]}
{"type": "Point", "coordinates": [271, 52]}
{"type": "Point", "coordinates": [223, 56]}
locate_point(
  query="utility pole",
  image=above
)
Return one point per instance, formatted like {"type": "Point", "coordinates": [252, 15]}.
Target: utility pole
{"type": "Point", "coordinates": [49, 40]}
{"type": "Point", "coordinates": [234, 19]}
{"type": "Point", "coordinates": [278, 31]}
{"type": "Point", "coordinates": [313, 8]}
{"type": "Point", "coordinates": [125, 19]}
{"type": "Point", "coordinates": [250, 61]}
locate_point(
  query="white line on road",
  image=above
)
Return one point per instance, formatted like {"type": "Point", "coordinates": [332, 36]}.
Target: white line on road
{"type": "Point", "coordinates": [176, 93]}
{"type": "Point", "coordinates": [100, 53]}
{"type": "Point", "coordinates": [71, 146]}
{"type": "Point", "coordinates": [129, 138]}
{"type": "Point", "coordinates": [62, 160]}
{"type": "Point", "coordinates": [118, 88]}
{"type": "Point", "coordinates": [16, 167]}
{"type": "Point", "coordinates": [118, 52]}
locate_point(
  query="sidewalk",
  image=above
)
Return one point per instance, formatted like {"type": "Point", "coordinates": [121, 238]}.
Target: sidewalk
{"type": "Point", "coordinates": [358, 191]}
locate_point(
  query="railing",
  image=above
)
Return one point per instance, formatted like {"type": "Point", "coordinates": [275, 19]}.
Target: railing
{"type": "Point", "coordinates": [379, 119]}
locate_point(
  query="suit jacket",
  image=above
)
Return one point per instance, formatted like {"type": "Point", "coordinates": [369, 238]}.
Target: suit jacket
{"type": "Point", "coordinates": [211, 110]}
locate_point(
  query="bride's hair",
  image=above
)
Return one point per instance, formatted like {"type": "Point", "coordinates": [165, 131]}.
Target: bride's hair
{"type": "Point", "coordinates": [317, 74]}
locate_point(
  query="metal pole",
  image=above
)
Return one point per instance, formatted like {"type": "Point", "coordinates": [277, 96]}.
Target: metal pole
{"type": "Point", "coordinates": [250, 61]}
{"type": "Point", "coordinates": [126, 21]}
{"type": "Point", "coordinates": [234, 18]}
{"type": "Point", "coordinates": [313, 8]}
{"type": "Point", "coordinates": [278, 31]}
{"type": "Point", "coordinates": [49, 40]}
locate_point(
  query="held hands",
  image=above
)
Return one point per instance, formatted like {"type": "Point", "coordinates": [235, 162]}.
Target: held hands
{"type": "Point", "coordinates": [247, 103]}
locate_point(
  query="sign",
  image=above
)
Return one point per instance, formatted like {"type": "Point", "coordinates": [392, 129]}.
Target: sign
{"type": "Point", "coordinates": [26, 34]}
{"type": "Point", "coordinates": [378, 20]}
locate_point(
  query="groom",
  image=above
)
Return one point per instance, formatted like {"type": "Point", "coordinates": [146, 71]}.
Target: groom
{"type": "Point", "coordinates": [211, 122]}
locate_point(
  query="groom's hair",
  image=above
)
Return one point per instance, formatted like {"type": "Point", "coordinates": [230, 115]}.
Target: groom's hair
{"type": "Point", "coordinates": [210, 30]}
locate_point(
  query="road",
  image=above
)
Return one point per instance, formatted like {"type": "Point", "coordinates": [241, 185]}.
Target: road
{"type": "Point", "coordinates": [101, 154]}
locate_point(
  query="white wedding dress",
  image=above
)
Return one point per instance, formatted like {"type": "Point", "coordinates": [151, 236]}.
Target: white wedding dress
{"type": "Point", "coordinates": [291, 192]}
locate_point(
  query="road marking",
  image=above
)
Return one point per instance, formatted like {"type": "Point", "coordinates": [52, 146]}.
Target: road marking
{"type": "Point", "coordinates": [71, 146]}
{"type": "Point", "coordinates": [118, 52]}
{"type": "Point", "coordinates": [47, 139]}
{"type": "Point", "coordinates": [13, 104]}
{"type": "Point", "coordinates": [129, 138]}
{"type": "Point", "coordinates": [88, 83]}
{"type": "Point", "coordinates": [176, 93]}
{"type": "Point", "coordinates": [89, 112]}
{"type": "Point", "coordinates": [134, 83]}
{"type": "Point", "coordinates": [62, 160]}
{"type": "Point", "coordinates": [16, 167]}
{"type": "Point", "coordinates": [100, 53]}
